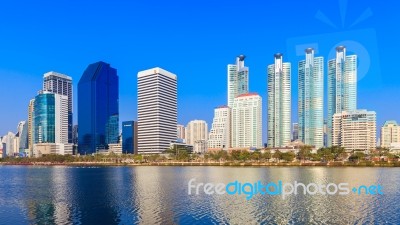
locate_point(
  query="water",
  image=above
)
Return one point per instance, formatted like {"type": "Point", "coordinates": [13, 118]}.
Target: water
{"type": "Point", "coordinates": [159, 195]}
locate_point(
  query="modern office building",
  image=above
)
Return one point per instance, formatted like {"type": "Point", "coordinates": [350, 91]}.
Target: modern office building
{"type": "Point", "coordinates": [157, 110]}
{"type": "Point", "coordinates": [22, 132]}
{"type": "Point", "coordinates": [238, 79]}
{"type": "Point", "coordinates": [342, 86]}
{"type": "Point", "coordinates": [196, 130]}
{"type": "Point", "coordinates": [58, 83]}
{"type": "Point", "coordinates": [9, 144]}
{"type": "Point", "coordinates": [311, 99]}
{"type": "Point", "coordinates": [220, 134]}
{"type": "Point", "coordinates": [279, 102]}
{"type": "Point", "coordinates": [295, 131]}
{"type": "Point", "coordinates": [50, 118]}
{"type": "Point", "coordinates": [75, 134]}
{"type": "Point", "coordinates": [247, 121]}
{"type": "Point", "coordinates": [180, 130]}
{"type": "Point", "coordinates": [129, 137]}
{"type": "Point", "coordinates": [98, 108]}
{"type": "Point", "coordinates": [390, 133]}
{"type": "Point", "coordinates": [31, 140]}
{"type": "Point", "coordinates": [354, 130]}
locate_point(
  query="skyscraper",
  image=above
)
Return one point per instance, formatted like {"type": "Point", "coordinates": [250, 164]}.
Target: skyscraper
{"type": "Point", "coordinates": [238, 79]}
{"type": "Point", "coordinates": [129, 137]}
{"type": "Point", "coordinates": [390, 133]}
{"type": "Point", "coordinates": [23, 136]}
{"type": "Point", "coordinates": [157, 110]}
{"type": "Point", "coordinates": [311, 103]}
{"type": "Point", "coordinates": [58, 83]}
{"type": "Point", "coordinates": [31, 123]}
{"type": "Point", "coordinates": [50, 118]}
{"type": "Point", "coordinates": [342, 85]}
{"type": "Point", "coordinates": [247, 121]}
{"type": "Point", "coordinates": [295, 131]}
{"type": "Point", "coordinates": [220, 134]}
{"type": "Point", "coordinates": [196, 130]}
{"type": "Point", "coordinates": [181, 130]}
{"type": "Point", "coordinates": [279, 103]}
{"type": "Point", "coordinates": [98, 108]}
{"type": "Point", "coordinates": [354, 130]}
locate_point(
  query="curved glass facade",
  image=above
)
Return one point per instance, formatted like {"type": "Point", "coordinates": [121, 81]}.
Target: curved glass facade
{"type": "Point", "coordinates": [44, 114]}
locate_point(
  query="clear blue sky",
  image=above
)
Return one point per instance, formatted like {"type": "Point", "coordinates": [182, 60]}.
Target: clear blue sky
{"type": "Point", "coordinates": [195, 40]}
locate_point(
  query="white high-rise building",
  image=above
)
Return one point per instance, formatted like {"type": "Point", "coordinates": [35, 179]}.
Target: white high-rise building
{"type": "Point", "coordinates": [238, 79]}
{"type": "Point", "coordinates": [354, 130]}
{"type": "Point", "coordinates": [220, 134]}
{"type": "Point", "coordinates": [342, 86]}
{"type": "Point", "coordinates": [279, 103]}
{"type": "Point", "coordinates": [180, 129]}
{"type": "Point", "coordinates": [31, 123]}
{"type": "Point", "coordinates": [9, 148]}
{"type": "Point", "coordinates": [61, 84]}
{"type": "Point", "coordinates": [247, 121]}
{"type": "Point", "coordinates": [157, 110]}
{"type": "Point", "coordinates": [311, 100]}
{"type": "Point", "coordinates": [390, 133]}
{"type": "Point", "coordinates": [196, 131]}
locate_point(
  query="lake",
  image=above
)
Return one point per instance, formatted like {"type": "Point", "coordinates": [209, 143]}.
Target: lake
{"type": "Point", "coordinates": [159, 195]}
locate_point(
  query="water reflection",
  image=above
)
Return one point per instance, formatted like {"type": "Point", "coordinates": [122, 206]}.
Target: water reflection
{"type": "Point", "coordinates": [158, 195]}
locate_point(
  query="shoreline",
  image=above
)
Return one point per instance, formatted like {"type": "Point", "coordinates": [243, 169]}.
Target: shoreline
{"type": "Point", "coordinates": [205, 164]}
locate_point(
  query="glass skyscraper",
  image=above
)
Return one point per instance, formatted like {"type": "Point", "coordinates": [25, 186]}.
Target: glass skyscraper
{"type": "Point", "coordinates": [98, 108]}
{"type": "Point", "coordinates": [342, 85]}
{"type": "Point", "coordinates": [279, 103]}
{"type": "Point", "coordinates": [129, 137]}
{"type": "Point", "coordinates": [238, 79]}
{"type": "Point", "coordinates": [311, 104]}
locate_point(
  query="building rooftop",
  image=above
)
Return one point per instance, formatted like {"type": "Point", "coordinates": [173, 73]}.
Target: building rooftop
{"type": "Point", "coordinates": [52, 73]}
{"type": "Point", "coordinates": [248, 95]}
{"type": "Point", "coordinates": [156, 70]}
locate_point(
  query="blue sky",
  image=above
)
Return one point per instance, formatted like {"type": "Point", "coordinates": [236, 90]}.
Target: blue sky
{"type": "Point", "coordinates": [195, 40]}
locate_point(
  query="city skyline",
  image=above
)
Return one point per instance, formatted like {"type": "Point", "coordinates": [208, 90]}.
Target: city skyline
{"type": "Point", "coordinates": [65, 60]}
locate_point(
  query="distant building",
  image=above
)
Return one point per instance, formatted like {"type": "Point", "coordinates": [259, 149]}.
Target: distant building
{"type": "Point", "coordinates": [390, 133]}
{"type": "Point", "coordinates": [355, 130]}
{"type": "Point", "coordinates": [157, 110]}
{"type": "Point", "coordinates": [279, 102]}
{"type": "Point", "coordinates": [98, 108]}
{"type": "Point", "coordinates": [9, 144]}
{"type": "Point", "coordinates": [247, 121]}
{"type": "Point", "coordinates": [51, 118]}
{"type": "Point", "coordinates": [196, 130]}
{"type": "Point", "coordinates": [31, 124]}
{"type": "Point", "coordinates": [238, 79]}
{"type": "Point", "coordinates": [129, 137]}
{"type": "Point", "coordinates": [61, 84]}
{"type": "Point", "coordinates": [115, 148]}
{"type": "Point", "coordinates": [295, 131]}
{"type": "Point", "coordinates": [311, 100]}
{"type": "Point", "coordinates": [23, 137]}
{"type": "Point", "coordinates": [220, 134]}
{"type": "Point", "coordinates": [75, 131]}
{"type": "Point", "coordinates": [200, 146]}
{"type": "Point", "coordinates": [180, 130]}
{"type": "Point", "coordinates": [342, 86]}
{"type": "Point", "coordinates": [41, 149]}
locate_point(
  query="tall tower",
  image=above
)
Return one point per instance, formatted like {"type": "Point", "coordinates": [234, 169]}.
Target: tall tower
{"type": "Point", "coordinates": [58, 83]}
{"type": "Point", "coordinates": [310, 103]}
{"type": "Point", "coordinates": [50, 118]}
{"type": "Point", "coordinates": [157, 110]}
{"type": "Point", "coordinates": [247, 121]}
{"type": "Point", "coordinates": [342, 85]}
{"type": "Point", "coordinates": [98, 108]}
{"type": "Point", "coordinates": [31, 126]}
{"type": "Point", "coordinates": [238, 79]}
{"type": "Point", "coordinates": [279, 103]}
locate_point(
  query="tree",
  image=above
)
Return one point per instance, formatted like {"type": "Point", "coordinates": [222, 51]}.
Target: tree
{"type": "Point", "coordinates": [288, 156]}
{"type": "Point", "coordinates": [267, 155]}
{"type": "Point", "coordinates": [255, 156]}
{"type": "Point", "coordinates": [277, 155]}
{"type": "Point", "coordinates": [304, 152]}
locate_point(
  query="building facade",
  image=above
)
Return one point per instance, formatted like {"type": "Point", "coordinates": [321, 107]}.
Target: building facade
{"type": "Point", "coordinates": [31, 123]}
{"type": "Point", "coordinates": [390, 133]}
{"type": "Point", "coordinates": [180, 131]}
{"type": "Point", "coordinates": [23, 137]}
{"type": "Point", "coordinates": [98, 108]}
{"type": "Point", "coordinates": [220, 133]}
{"type": "Point", "coordinates": [196, 130]}
{"type": "Point", "coordinates": [129, 137]}
{"type": "Point", "coordinates": [279, 102]}
{"type": "Point", "coordinates": [342, 86]}
{"type": "Point", "coordinates": [247, 121]}
{"type": "Point", "coordinates": [354, 130]}
{"type": "Point", "coordinates": [50, 118]}
{"type": "Point", "coordinates": [61, 84]}
{"type": "Point", "coordinates": [157, 110]}
{"type": "Point", "coordinates": [311, 99]}
{"type": "Point", "coordinates": [238, 79]}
